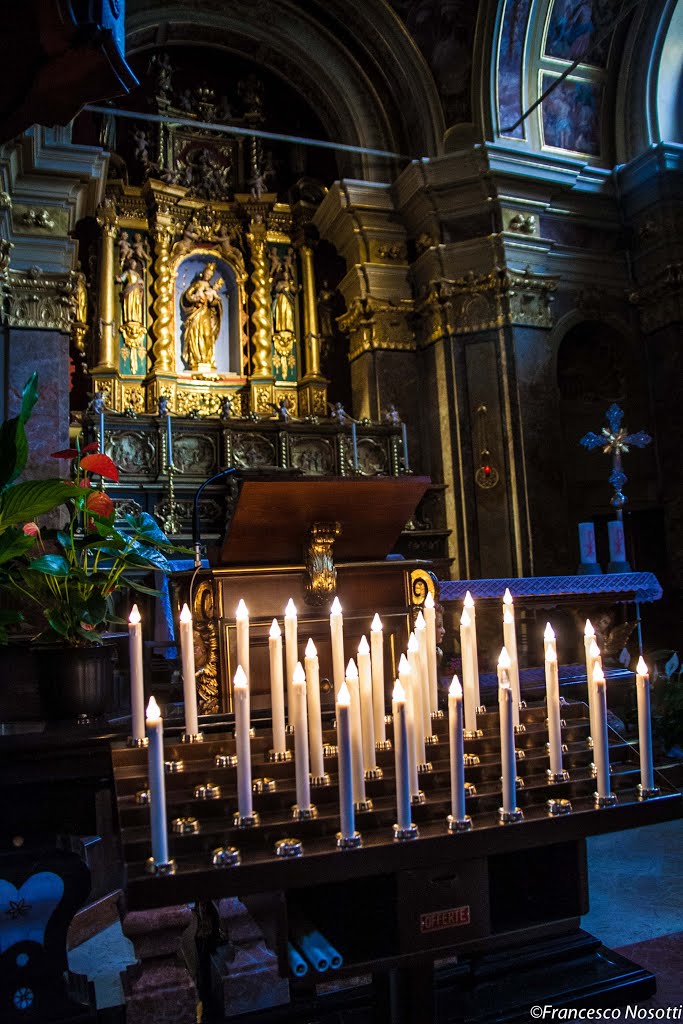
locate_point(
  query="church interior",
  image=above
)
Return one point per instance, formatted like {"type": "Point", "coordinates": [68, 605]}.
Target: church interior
{"type": "Point", "coordinates": [320, 702]}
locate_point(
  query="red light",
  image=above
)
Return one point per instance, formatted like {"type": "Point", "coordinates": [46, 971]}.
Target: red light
{"type": "Point", "coordinates": [487, 471]}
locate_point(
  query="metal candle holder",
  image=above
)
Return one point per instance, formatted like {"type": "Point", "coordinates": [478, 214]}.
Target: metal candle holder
{"type": "Point", "coordinates": [417, 799]}
{"type": "Point", "coordinates": [245, 821]}
{"type": "Point", "coordinates": [289, 848]}
{"type": "Point", "coordinates": [648, 794]}
{"type": "Point", "coordinates": [185, 826]}
{"type": "Point", "coordinates": [554, 777]}
{"type": "Point", "coordinates": [383, 745]}
{"type": "Point", "coordinates": [425, 767]}
{"type": "Point", "coordinates": [137, 741]}
{"type": "Point", "coordinates": [167, 867]}
{"type": "Point", "coordinates": [352, 842]}
{"type": "Point", "coordinates": [510, 817]}
{"type": "Point", "coordinates": [373, 774]}
{"type": "Point", "coordinates": [277, 756]}
{"type": "Point", "coordinates": [457, 825]}
{"type": "Point", "coordinates": [264, 785]}
{"type": "Point", "coordinates": [320, 780]}
{"type": "Point", "coordinates": [226, 760]}
{"type": "Point", "coordinates": [226, 857]}
{"type": "Point", "coordinates": [192, 737]}
{"type": "Point", "coordinates": [558, 807]}
{"type": "Point", "coordinates": [173, 766]}
{"type": "Point", "coordinates": [207, 791]}
{"type": "Point", "coordinates": [602, 802]}
{"type": "Point", "coordinates": [404, 835]}
{"type": "Point", "coordinates": [361, 806]}
{"type": "Point", "coordinates": [304, 813]}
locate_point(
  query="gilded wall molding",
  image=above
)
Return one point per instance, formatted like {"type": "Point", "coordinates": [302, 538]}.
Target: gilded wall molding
{"type": "Point", "coordinates": [483, 302]}
{"type": "Point", "coordinates": [35, 299]}
{"type": "Point", "coordinates": [377, 324]}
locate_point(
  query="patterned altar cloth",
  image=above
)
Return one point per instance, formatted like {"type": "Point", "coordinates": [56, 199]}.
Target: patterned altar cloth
{"type": "Point", "coordinates": [630, 586]}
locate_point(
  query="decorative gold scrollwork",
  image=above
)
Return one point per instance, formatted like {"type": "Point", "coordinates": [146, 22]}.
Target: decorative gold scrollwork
{"type": "Point", "coordinates": [421, 584]}
{"type": "Point", "coordinates": [321, 584]}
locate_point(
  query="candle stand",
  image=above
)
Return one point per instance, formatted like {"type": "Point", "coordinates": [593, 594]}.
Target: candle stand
{"type": "Point", "coordinates": [480, 888]}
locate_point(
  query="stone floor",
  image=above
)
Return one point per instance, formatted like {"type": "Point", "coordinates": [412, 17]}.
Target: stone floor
{"type": "Point", "coordinates": [636, 887]}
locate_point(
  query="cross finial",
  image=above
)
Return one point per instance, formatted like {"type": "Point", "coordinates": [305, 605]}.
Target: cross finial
{"type": "Point", "coordinates": [615, 441]}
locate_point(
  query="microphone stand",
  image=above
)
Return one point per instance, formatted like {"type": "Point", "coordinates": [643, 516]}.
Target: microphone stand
{"type": "Point", "coordinates": [196, 534]}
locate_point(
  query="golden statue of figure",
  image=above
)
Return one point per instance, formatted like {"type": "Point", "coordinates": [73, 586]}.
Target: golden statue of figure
{"type": "Point", "coordinates": [201, 304]}
{"type": "Point", "coordinates": [132, 293]}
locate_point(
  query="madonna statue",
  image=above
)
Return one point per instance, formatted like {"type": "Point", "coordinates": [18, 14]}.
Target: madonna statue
{"type": "Point", "coordinates": [201, 304]}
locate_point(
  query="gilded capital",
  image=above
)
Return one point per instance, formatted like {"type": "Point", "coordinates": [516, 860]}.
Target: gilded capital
{"type": "Point", "coordinates": [106, 217]}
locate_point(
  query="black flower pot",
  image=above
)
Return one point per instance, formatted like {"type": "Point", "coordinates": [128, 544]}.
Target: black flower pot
{"type": "Point", "coordinates": [75, 682]}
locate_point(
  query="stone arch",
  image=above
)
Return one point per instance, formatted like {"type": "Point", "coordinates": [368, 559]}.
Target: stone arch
{"type": "Point", "coordinates": [352, 62]}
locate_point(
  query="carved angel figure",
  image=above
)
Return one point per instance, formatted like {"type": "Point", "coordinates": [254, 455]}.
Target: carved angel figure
{"type": "Point", "coordinates": [203, 310]}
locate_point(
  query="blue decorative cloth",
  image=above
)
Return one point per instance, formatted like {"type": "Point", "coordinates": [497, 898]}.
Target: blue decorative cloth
{"type": "Point", "coordinates": [632, 586]}
{"type": "Point", "coordinates": [164, 629]}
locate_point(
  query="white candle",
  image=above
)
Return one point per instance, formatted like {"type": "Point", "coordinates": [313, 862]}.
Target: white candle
{"type": "Point", "coordinates": [466, 641]}
{"type": "Point", "coordinates": [315, 727]}
{"type": "Point", "coordinates": [169, 442]}
{"type": "Point", "coordinates": [366, 708]}
{"type": "Point", "coordinates": [594, 659]}
{"type": "Point", "coordinates": [157, 784]}
{"type": "Point", "coordinates": [291, 651]}
{"type": "Point", "coordinates": [345, 762]}
{"type": "Point", "coordinates": [404, 438]}
{"type": "Point", "coordinates": [242, 629]}
{"type": "Point", "coordinates": [358, 768]}
{"type": "Point", "coordinates": [337, 637]}
{"type": "Point", "coordinates": [415, 699]}
{"type": "Point", "coordinates": [377, 661]}
{"type": "Point", "coordinates": [240, 689]}
{"type": "Point", "coordinates": [137, 682]}
{"type": "Point", "coordinates": [430, 622]}
{"type": "Point", "coordinates": [510, 644]}
{"type": "Point", "coordinates": [601, 737]}
{"type": "Point", "coordinates": [552, 689]}
{"type": "Point", "coordinates": [647, 775]}
{"type": "Point", "coordinates": [402, 757]}
{"type": "Point", "coordinates": [354, 443]}
{"type": "Point", "coordinates": [472, 612]}
{"type": "Point", "coordinates": [421, 637]}
{"type": "Point", "coordinates": [299, 718]}
{"type": "Point", "coordinates": [457, 750]}
{"type": "Point", "coordinates": [405, 677]}
{"type": "Point", "coordinates": [189, 682]}
{"type": "Point", "coordinates": [507, 747]}
{"type": "Point", "coordinates": [277, 688]}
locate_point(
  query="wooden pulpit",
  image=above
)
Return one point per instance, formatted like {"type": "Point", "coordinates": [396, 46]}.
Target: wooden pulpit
{"type": "Point", "coordinates": [309, 540]}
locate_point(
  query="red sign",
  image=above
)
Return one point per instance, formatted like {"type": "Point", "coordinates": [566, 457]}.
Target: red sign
{"type": "Point", "coordinates": [438, 920]}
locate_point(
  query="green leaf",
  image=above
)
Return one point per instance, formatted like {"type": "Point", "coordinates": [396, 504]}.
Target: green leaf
{"type": "Point", "coordinates": [95, 610]}
{"type": "Point", "coordinates": [29, 397]}
{"type": "Point", "coordinates": [8, 618]}
{"type": "Point", "coordinates": [135, 585]}
{"type": "Point", "coordinates": [50, 565]}
{"type": "Point", "coordinates": [14, 543]}
{"type": "Point", "coordinates": [13, 451]}
{"type": "Point", "coordinates": [146, 554]}
{"type": "Point", "coordinates": [57, 622]}
{"type": "Point", "coordinates": [25, 501]}
{"type": "Point", "coordinates": [146, 528]}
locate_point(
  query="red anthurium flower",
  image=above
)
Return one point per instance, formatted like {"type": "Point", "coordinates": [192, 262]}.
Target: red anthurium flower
{"type": "Point", "coordinates": [92, 447]}
{"type": "Point", "coordinates": [86, 626]}
{"type": "Point", "coordinates": [102, 465]}
{"type": "Point", "coordinates": [100, 503]}
{"type": "Point", "coordinates": [31, 529]}
{"type": "Point", "coordinates": [66, 453]}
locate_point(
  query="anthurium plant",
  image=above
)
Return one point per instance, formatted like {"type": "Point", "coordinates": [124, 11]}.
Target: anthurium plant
{"type": "Point", "coordinates": [71, 576]}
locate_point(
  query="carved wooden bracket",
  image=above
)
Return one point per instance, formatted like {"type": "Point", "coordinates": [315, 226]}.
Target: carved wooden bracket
{"type": "Point", "coordinates": [321, 585]}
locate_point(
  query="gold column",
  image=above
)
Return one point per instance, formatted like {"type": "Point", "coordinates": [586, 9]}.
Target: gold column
{"type": "Point", "coordinates": [311, 329]}
{"type": "Point", "coordinates": [107, 359]}
{"type": "Point", "coordinates": [162, 307]}
{"type": "Point", "coordinates": [261, 315]}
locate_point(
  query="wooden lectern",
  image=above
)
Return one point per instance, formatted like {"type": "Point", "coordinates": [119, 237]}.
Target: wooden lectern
{"type": "Point", "coordinates": [308, 540]}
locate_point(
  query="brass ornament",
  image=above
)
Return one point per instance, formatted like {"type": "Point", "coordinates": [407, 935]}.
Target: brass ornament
{"type": "Point", "coordinates": [321, 583]}
{"type": "Point", "coordinates": [261, 315]}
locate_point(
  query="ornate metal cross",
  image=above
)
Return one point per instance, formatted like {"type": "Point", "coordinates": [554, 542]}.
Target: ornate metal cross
{"type": "Point", "coordinates": [615, 441]}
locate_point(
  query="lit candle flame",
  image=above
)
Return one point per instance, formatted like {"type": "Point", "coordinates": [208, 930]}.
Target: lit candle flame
{"type": "Point", "coordinates": [504, 659]}
{"type": "Point", "coordinates": [403, 665]}
{"type": "Point", "coordinates": [351, 670]}
{"type": "Point", "coordinates": [641, 667]}
{"type": "Point", "coordinates": [311, 650]}
{"type": "Point", "coordinates": [290, 610]}
{"type": "Point", "coordinates": [275, 630]}
{"type": "Point", "coordinates": [185, 614]}
{"type": "Point", "coordinates": [241, 612]}
{"type": "Point", "coordinates": [134, 616]}
{"type": "Point", "coordinates": [153, 710]}
{"type": "Point", "coordinates": [399, 694]}
{"type": "Point", "coordinates": [412, 643]}
{"type": "Point", "coordinates": [593, 650]}
{"type": "Point", "coordinates": [465, 619]}
{"type": "Point", "coordinates": [589, 631]}
{"type": "Point", "coordinates": [239, 680]}
{"type": "Point", "coordinates": [507, 596]}
{"type": "Point", "coordinates": [455, 689]}
{"type": "Point", "coordinates": [336, 607]}
{"type": "Point", "coordinates": [469, 600]}
{"type": "Point", "coordinates": [376, 626]}
{"type": "Point", "coordinates": [343, 697]}
{"type": "Point", "coordinates": [550, 655]}
{"type": "Point", "coordinates": [598, 674]}
{"type": "Point", "coordinates": [298, 675]}
{"type": "Point", "coordinates": [363, 646]}
{"type": "Point", "coordinates": [420, 621]}
{"type": "Point", "coordinates": [549, 633]}
{"type": "Point", "coordinates": [429, 600]}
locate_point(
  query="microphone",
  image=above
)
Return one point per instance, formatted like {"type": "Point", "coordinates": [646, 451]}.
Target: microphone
{"type": "Point", "coordinates": [196, 534]}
